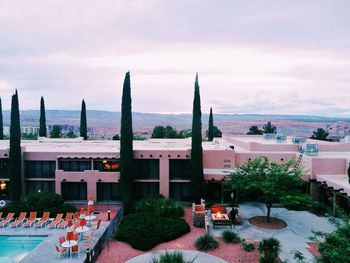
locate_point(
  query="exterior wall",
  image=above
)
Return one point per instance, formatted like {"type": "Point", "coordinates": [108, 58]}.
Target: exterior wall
{"type": "Point", "coordinates": [242, 158]}
{"type": "Point", "coordinates": [328, 166]}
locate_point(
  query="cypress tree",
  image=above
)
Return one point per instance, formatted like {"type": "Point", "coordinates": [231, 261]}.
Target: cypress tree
{"type": "Point", "coordinates": [211, 126]}
{"type": "Point", "coordinates": [15, 151]}
{"type": "Point", "coordinates": [1, 123]}
{"type": "Point", "coordinates": [83, 125]}
{"type": "Point", "coordinates": [197, 177]}
{"type": "Point", "coordinates": [126, 144]}
{"type": "Point", "coordinates": [42, 121]}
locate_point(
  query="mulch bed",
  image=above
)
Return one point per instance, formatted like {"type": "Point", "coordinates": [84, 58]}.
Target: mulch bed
{"type": "Point", "coordinates": [260, 221]}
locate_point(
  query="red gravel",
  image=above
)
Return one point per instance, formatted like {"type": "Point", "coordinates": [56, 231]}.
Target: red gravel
{"type": "Point", "coordinates": [119, 252]}
{"type": "Point", "coordinates": [260, 221]}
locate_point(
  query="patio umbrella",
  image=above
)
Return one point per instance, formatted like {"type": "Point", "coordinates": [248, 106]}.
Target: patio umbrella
{"type": "Point", "coordinates": [90, 204]}
{"type": "Point", "coordinates": [70, 230]}
{"type": "Point", "coordinates": [82, 213]}
{"type": "Point", "coordinates": [82, 222]}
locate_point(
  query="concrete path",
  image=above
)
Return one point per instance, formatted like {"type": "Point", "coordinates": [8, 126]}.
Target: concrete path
{"type": "Point", "coordinates": [294, 237]}
{"type": "Point", "coordinates": [199, 257]}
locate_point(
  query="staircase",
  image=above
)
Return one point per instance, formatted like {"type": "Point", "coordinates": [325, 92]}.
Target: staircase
{"type": "Point", "coordinates": [297, 163]}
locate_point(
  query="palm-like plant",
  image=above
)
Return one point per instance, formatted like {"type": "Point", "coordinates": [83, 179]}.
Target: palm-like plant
{"type": "Point", "coordinates": [269, 249]}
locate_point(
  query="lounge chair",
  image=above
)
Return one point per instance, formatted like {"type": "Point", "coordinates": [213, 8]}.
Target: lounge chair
{"type": "Point", "coordinates": [65, 222]}
{"type": "Point", "coordinates": [43, 220]}
{"type": "Point", "coordinates": [60, 251]}
{"type": "Point", "coordinates": [94, 229]}
{"type": "Point", "coordinates": [57, 220]}
{"type": "Point", "coordinates": [31, 220]}
{"type": "Point", "coordinates": [7, 220]}
{"type": "Point", "coordinates": [19, 220]}
{"type": "Point", "coordinates": [1, 216]}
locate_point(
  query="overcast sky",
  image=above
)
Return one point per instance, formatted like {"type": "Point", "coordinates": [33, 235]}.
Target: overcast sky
{"type": "Point", "coordinates": [281, 57]}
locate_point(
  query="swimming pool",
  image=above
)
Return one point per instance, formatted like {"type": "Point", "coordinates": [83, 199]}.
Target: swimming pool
{"type": "Point", "coordinates": [15, 248]}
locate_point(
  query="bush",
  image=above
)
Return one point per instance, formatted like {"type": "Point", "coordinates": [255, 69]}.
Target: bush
{"type": "Point", "coordinates": [171, 257]}
{"type": "Point", "coordinates": [230, 237]}
{"type": "Point", "coordinates": [247, 246]}
{"type": "Point", "coordinates": [62, 209]}
{"type": "Point", "coordinates": [17, 209]}
{"type": "Point", "coordinates": [42, 201]}
{"type": "Point", "coordinates": [144, 231]}
{"type": "Point", "coordinates": [298, 202]}
{"type": "Point", "coordinates": [269, 249]}
{"type": "Point", "coordinates": [160, 206]}
{"type": "Point", "coordinates": [206, 242]}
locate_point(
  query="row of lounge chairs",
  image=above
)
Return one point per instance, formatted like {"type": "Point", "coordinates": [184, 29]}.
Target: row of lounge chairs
{"type": "Point", "coordinates": [32, 220]}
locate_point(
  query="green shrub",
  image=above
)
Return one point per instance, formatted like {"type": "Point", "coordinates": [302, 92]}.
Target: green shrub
{"type": "Point", "coordinates": [63, 209]}
{"type": "Point", "coordinates": [160, 206]}
{"type": "Point", "coordinates": [17, 209]}
{"type": "Point", "coordinates": [230, 237]}
{"type": "Point", "coordinates": [144, 231]}
{"type": "Point", "coordinates": [269, 249]}
{"type": "Point", "coordinates": [42, 201]}
{"type": "Point", "coordinates": [247, 246]}
{"type": "Point", "coordinates": [171, 257]}
{"type": "Point", "coordinates": [298, 202]}
{"type": "Point", "coordinates": [206, 242]}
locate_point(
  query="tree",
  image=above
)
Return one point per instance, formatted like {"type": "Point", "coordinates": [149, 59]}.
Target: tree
{"type": "Point", "coordinates": [270, 180]}
{"type": "Point", "coordinates": [116, 137]}
{"type": "Point", "coordinates": [269, 249]}
{"type": "Point", "coordinates": [349, 173]}
{"type": "Point", "coordinates": [269, 128]}
{"type": "Point", "coordinates": [197, 177]}
{"type": "Point", "coordinates": [1, 123]}
{"type": "Point", "coordinates": [158, 132]}
{"type": "Point", "coordinates": [42, 121]}
{"type": "Point", "coordinates": [210, 132]}
{"type": "Point", "coordinates": [83, 124]}
{"type": "Point", "coordinates": [126, 143]}
{"type": "Point", "coordinates": [15, 159]}
{"type": "Point", "coordinates": [71, 135]}
{"type": "Point", "coordinates": [185, 133]}
{"type": "Point", "coordinates": [30, 136]}
{"type": "Point", "coordinates": [320, 134]}
{"type": "Point", "coordinates": [334, 247]}
{"type": "Point", "coordinates": [254, 130]}
{"type": "Point", "coordinates": [56, 131]}
{"type": "Point", "coordinates": [169, 132]}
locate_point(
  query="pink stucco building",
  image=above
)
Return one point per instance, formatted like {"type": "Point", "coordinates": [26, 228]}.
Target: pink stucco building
{"type": "Point", "coordinates": [76, 168]}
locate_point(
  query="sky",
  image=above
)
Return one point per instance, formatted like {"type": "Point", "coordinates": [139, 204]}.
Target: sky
{"type": "Point", "coordinates": [263, 57]}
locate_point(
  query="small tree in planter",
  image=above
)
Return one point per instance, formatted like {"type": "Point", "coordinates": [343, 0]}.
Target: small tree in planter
{"type": "Point", "coordinates": [269, 249]}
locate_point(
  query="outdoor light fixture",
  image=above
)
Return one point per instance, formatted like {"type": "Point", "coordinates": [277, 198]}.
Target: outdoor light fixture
{"type": "Point", "coordinates": [109, 214]}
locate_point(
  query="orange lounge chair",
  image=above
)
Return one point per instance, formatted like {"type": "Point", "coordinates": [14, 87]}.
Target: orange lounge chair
{"type": "Point", "coordinates": [7, 220]}
{"type": "Point", "coordinates": [65, 222]}
{"type": "Point", "coordinates": [1, 216]}
{"type": "Point", "coordinates": [57, 220]}
{"type": "Point", "coordinates": [31, 219]}
{"type": "Point", "coordinates": [19, 220]}
{"type": "Point", "coordinates": [43, 220]}
{"type": "Point", "coordinates": [61, 239]}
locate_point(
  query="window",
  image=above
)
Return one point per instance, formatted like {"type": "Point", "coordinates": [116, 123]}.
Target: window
{"type": "Point", "coordinates": [74, 166]}
{"type": "Point", "coordinates": [180, 169]}
{"type": "Point", "coordinates": [39, 169]}
{"type": "Point", "coordinates": [4, 168]}
{"type": "Point", "coordinates": [74, 191]}
{"type": "Point", "coordinates": [180, 191]}
{"type": "Point", "coordinates": [4, 191]}
{"type": "Point", "coordinates": [107, 165]}
{"type": "Point", "coordinates": [108, 191]}
{"type": "Point", "coordinates": [42, 186]}
{"type": "Point", "coordinates": [146, 169]}
{"type": "Point", "coordinates": [146, 189]}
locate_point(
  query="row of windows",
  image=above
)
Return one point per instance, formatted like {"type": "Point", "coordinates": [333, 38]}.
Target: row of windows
{"type": "Point", "coordinates": [40, 169]}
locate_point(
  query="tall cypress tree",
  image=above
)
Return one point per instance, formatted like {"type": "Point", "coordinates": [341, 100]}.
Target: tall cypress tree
{"type": "Point", "coordinates": [197, 177]}
{"type": "Point", "coordinates": [1, 123]}
{"type": "Point", "coordinates": [211, 126]}
{"type": "Point", "coordinates": [15, 151]}
{"type": "Point", "coordinates": [42, 121]}
{"type": "Point", "coordinates": [126, 143]}
{"type": "Point", "coordinates": [83, 124]}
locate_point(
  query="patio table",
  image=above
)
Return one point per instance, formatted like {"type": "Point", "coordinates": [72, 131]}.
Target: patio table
{"type": "Point", "coordinates": [69, 244]}
{"type": "Point", "coordinates": [81, 230]}
{"type": "Point", "coordinates": [89, 219]}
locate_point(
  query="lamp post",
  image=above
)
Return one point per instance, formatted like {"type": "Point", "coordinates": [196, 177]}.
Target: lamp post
{"type": "Point", "coordinates": [109, 214]}
{"type": "Point", "coordinates": [232, 198]}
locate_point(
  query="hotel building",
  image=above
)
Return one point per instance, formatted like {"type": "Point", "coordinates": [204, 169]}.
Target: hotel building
{"type": "Point", "coordinates": [76, 168]}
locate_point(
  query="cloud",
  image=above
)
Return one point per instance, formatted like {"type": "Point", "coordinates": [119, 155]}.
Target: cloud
{"type": "Point", "coordinates": [252, 57]}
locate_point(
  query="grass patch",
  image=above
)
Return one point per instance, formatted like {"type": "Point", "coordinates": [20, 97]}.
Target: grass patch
{"type": "Point", "coordinates": [230, 237]}
{"type": "Point", "coordinates": [206, 242]}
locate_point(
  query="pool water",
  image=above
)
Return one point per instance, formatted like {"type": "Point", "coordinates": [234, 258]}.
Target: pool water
{"type": "Point", "coordinates": [15, 248]}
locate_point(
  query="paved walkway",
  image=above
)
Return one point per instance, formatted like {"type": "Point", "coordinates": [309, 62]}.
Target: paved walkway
{"type": "Point", "coordinates": [199, 257]}
{"type": "Point", "coordinates": [294, 237]}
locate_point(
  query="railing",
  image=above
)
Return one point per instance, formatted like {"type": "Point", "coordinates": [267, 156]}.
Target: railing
{"type": "Point", "coordinates": [93, 253]}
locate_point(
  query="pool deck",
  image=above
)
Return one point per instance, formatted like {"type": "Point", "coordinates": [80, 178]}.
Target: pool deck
{"type": "Point", "coordinates": [45, 252]}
